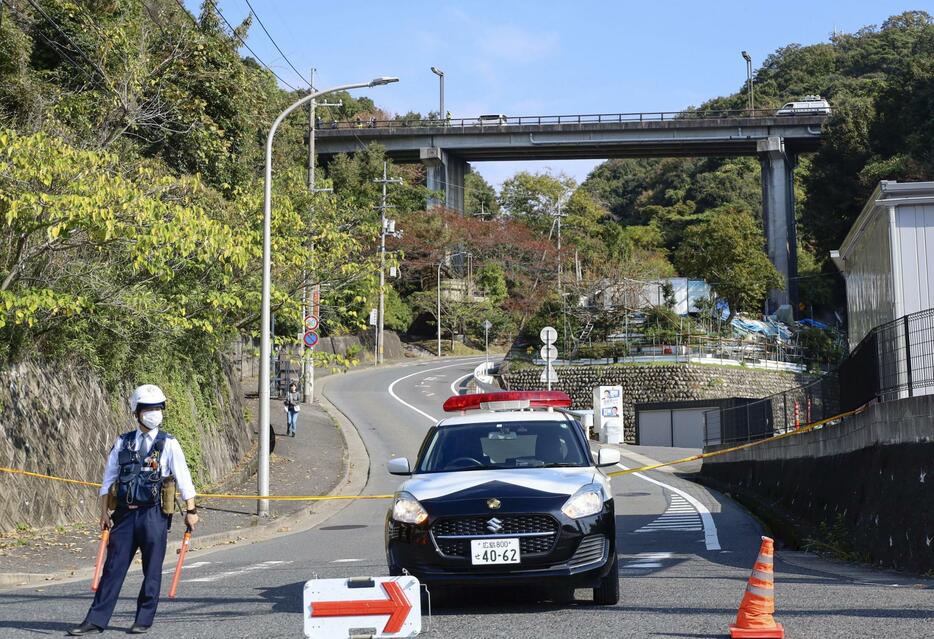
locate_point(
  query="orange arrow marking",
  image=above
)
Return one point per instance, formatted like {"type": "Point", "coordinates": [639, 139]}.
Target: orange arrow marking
{"type": "Point", "coordinates": [397, 607]}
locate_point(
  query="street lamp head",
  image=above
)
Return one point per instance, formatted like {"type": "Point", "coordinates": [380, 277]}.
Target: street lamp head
{"type": "Point", "coordinates": [746, 56]}
{"type": "Point", "coordinates": [438, 72]}
{"type": "Point", "coordinates": [383, 79]}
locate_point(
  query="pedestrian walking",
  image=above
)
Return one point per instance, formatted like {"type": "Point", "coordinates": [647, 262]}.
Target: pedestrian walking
{"type": "Point", "coordinates": [292, 400]}
{"type": "Point", "coordinates": [144, 468]}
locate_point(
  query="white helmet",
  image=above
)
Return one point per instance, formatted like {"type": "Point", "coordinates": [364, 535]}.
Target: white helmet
{"type": "Point", "coordinates": [147, 396]}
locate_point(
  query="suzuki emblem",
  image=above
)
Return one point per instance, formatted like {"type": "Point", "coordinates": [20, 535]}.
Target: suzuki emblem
{"type": "Point", "coordinates": [494, 525]}
{"type": "Point", "coordinates": [493, 503]}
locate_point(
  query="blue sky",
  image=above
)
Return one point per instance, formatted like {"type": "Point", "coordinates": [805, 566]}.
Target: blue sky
{"type": "Point", "coordinates": [541, 58]}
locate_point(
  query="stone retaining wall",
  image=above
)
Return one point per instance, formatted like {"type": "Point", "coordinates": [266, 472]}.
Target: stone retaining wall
{"type": "Point", "coordinates": [657, 383]}
{"type": "Point", "coordinates": [861, 488]}
{"type": "Point", "coordinates": [59, 420]}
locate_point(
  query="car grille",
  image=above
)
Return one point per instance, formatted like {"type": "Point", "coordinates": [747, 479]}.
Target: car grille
{"type": "Point", "coordinates": [589, 551]}
{"type": "Point", "coordinates": [537, 533]}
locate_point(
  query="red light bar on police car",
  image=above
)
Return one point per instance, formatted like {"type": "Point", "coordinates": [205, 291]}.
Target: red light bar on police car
{"type": "Point", "coordinates": [507, 400]}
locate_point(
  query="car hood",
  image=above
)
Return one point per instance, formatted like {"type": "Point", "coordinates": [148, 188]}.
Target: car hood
{"type": "Point", "coordinates": [476, 483]}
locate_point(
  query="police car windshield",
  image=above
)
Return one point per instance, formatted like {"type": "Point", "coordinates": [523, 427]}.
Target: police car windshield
{"type": "Point", "coordinates": [531, 444]}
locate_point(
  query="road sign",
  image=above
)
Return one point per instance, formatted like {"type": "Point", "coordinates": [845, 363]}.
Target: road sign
{"type": "Point", "coordinates": [310, 339]}
{"type": "Point", "coordinates": [374, 316]}
{"type": "Point", "coordinates": [371, 606]}
{"type": "Point", "coordinates": [549, 335]}
{"type": "Point", "coordinates": [549, 375]}
{"type": "Point", "coordinates": [311, 322]}
{"type": "Point", "coordinates": [549, 352]}
{"type": "Point", "coordinates": [487, 325]}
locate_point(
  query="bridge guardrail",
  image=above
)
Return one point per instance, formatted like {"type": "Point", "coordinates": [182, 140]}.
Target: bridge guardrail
{"type": "Point", "coordinates": [539, 120]}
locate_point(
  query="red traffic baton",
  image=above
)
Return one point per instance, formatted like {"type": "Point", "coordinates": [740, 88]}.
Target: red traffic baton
{"type": "Point", "coordinates": [186, 541]}
{"type": "Point", "coordinates": [101, 553]}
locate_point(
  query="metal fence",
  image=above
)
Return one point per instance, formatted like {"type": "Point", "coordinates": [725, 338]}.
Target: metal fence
{"type": "Point", "coordinates": [894, 361]}
{"type": "Point", "coordinates": [499, 122]}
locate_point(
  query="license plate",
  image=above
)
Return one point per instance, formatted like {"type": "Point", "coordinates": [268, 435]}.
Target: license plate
{"type": "Point", "coordinates": [484, 552]}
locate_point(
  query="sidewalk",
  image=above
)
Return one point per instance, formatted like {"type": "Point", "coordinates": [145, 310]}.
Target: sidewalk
{"type": "Point", "coordinates": [311, 463]}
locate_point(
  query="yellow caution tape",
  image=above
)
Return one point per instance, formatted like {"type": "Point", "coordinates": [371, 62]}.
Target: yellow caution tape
{"type": "Point", "coordinates": [91, 484]}
{"type": "Point", "coordinates": [723, 451]}
{"type": "Point", "coordinates": [295, 497]}
{"type": "Point", "coordinates": [17, 471]}
{"type": "Point", "coordinates": [800, 431]}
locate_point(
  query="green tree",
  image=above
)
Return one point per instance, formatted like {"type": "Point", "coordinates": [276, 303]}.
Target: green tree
{"type": "Point", "coordinates": [726, 250]}
{"type": "Point", "coordinates": [479, 197]}
{"type": "Point", "coordinates": [535, 197]}
{"type": "Point", "coordinates": [492, 282]}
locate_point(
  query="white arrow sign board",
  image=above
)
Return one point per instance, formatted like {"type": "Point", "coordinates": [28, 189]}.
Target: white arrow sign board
{"type": "Point", "coordinates": [549, 352]}
{"type": "Point", "coordinates": [549, 335]}
{"type": "Point", "coordinates": [549, 372]}
{"type": "Point", "coordinates": [369, 606]}
{"type": "Point", "coordinates": [487, 325]}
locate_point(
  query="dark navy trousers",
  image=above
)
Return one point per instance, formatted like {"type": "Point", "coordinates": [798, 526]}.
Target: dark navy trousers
{"type": "Point", "coordinates": [146, 529]}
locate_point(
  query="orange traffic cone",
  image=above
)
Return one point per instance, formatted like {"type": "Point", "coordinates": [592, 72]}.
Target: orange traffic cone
{"type": "Point", "coordinates": [754, 619]}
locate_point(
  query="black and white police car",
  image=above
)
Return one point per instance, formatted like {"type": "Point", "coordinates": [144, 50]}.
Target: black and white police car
{"type": "Point", "coordinates": [506, 495]}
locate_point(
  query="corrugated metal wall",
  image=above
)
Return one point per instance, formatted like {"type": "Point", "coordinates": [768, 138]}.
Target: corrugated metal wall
{"type": "Point", "coordinates": [869, 280]}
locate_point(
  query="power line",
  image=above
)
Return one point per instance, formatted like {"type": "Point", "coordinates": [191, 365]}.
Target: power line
{"type": "Point", "coordinates": [274, 43]}
{"type": "Point", "coordinates": [243, 42]}
{"type": "Point", "coordinates": [60, 50]}
{"type": "Point", "coordinates": [84, 55]}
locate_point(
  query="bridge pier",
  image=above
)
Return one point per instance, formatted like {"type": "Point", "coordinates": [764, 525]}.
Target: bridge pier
{"type": "Point", "coordinates": [445, 173]}
{"type": "Point", "coordinates": [778, 213]}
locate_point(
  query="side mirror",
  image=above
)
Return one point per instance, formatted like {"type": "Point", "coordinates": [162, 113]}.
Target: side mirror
{"type": "Point", "coordinates": [607, 457]}
{"type": "Point", "coordinates": [400, 466]}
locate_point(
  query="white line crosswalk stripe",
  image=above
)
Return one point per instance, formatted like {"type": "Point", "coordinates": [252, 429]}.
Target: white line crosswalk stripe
{"type": "Point", "coordinates": [680, 516]}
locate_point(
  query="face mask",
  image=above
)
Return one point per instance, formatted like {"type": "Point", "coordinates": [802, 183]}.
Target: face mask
{"type": "Point", "coordinates": [151, 419]}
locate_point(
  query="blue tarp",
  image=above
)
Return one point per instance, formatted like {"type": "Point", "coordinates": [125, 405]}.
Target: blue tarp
{"type": "Point", "coordinates": [769, 328]}
{"type": "Point", "coordinates": [813, 323]}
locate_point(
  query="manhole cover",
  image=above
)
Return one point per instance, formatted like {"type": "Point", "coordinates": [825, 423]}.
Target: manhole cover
{"type": "Point", "coordinates": [344, 527]}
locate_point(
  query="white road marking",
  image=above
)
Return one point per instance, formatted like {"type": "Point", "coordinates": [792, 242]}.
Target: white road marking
{"type": "Point", "coordinates": [197, 564]}
{"type": "Point", "coordinates": [457, 381]}
{"type": "Point", "coordinates": [344, 561]}
{"type": "Point", "coordinates": [408, 405]}
{"type": "Point", "coordinates": [266, 565]}
{"type": "Point", "coordinates": [711, 539]}
{"type": "Point", "coordinates": [646, 561]}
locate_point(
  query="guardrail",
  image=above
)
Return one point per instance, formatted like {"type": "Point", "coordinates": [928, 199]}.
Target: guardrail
{"type": "Point", "coordinates": [500, 122]}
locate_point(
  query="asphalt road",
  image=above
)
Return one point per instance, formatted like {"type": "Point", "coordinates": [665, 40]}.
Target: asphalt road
{"type": "Point", "coordinates": [683, 572]}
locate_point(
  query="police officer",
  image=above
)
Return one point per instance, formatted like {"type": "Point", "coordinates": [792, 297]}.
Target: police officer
{"type": "Point", "coordinates": [138, 465]}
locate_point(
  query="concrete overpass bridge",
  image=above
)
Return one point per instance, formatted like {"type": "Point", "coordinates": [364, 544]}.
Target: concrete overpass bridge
{"type": "Point", "coordinates": [446, 147]}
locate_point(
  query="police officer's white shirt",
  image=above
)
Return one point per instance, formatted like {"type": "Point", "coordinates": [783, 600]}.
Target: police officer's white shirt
{"type": "Point", "coordinates": [171, 462]}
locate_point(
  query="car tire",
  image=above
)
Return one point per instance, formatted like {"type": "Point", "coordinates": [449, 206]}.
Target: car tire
{"type": "Point", "coordinates": [395, 571]}
{"type": "Point", "coordinates": [607, 593]}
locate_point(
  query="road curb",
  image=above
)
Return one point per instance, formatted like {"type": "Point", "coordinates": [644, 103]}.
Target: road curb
{"type": "Point", "coordinates": [352, 482]}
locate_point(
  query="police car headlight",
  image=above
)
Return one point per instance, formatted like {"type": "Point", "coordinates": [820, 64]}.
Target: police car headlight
{"type": "Point", "coordinates": [405, 508]}
{"type": "Point", "coordinates": [585, 502]}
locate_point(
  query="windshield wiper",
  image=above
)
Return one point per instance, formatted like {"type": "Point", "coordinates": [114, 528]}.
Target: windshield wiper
{"type": "Point", "coordinates": [562, 465]}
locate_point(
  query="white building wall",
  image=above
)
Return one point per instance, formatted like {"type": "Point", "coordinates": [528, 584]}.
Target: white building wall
{"type": "Point", "coordinates": [869, 282]}
{"type": "Point", "coordinates": [914, 234]}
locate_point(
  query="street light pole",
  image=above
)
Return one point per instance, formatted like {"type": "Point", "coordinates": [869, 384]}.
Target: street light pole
{"type": "Point", "coordinates": [749, 94]}
{"type": "Point", "coordinates": [441, 112]}
{"type": "Point", "coordinates": [265, 313]}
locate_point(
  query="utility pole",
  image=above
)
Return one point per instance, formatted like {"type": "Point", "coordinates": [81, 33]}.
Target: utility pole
{"type": "Point", "coordinates": [311, 295]}
{"type": "Point", "coordinates": [558, 215]}
{"type": "Point", "coordinates": [387, 227]}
